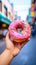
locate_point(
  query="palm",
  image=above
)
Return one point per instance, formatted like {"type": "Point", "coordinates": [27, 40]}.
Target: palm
{"type": "Point", "coordinates": [17, 48]}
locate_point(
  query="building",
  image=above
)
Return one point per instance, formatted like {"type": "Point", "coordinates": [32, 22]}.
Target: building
{"type": "Point", "coordinates": [31, 18]}
{"type": "Point", "coordinates": [6, 14]}
{"type": "Point", "coordinates": [6, 9]}
{"type": "Point", "coordinates": [16, 17]}
{"type": "Point", "coordinates": [32, 13]}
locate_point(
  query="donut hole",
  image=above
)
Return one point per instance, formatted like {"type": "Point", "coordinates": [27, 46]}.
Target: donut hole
{"type": "Point", "coordinates": [19, 28]}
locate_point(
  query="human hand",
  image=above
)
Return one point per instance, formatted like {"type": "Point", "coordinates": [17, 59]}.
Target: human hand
{"type": "Point", "coordinates": [13, 46]}
{"type": "Point", "coordinates": [12, 49]}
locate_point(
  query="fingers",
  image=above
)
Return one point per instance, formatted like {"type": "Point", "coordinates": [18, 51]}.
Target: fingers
{"type": "Point", "coordinates": [7, 35]}
{"type": "Point", "coordinates": [22, 44]}
{"type": "Point", "coordinates": [9, 43]}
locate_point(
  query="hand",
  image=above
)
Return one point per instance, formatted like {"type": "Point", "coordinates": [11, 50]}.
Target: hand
{"type": "Point", "coordinates": [12, 49]}
{"type": "Point", "coordinates": [13, 46]}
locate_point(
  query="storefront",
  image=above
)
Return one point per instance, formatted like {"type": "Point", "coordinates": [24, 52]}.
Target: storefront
{"type": "Point", "coordinates": [6, 15]}
{"type": "Point", "coordinates": [4, 20]}
{"type": "Point", "coordinates": [4, 24]}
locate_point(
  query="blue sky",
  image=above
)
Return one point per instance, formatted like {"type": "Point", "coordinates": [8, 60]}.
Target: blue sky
{"type": "Point", "coordinates": [22, 7]}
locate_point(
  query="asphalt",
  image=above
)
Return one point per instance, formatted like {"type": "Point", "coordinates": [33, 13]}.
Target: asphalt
{"type": "Point", "coordinates": [27, 55]}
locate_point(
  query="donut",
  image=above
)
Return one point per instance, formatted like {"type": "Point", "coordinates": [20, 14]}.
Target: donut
{"type": "Point", "coordinates": [19, 31]}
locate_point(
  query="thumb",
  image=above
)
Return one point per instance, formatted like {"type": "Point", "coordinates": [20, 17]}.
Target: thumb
{"type": "Point", "coordinates": [7, 36]}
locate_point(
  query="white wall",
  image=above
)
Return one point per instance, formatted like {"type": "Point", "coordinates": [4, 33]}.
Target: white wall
{"type": "Point", "coordinates": [7, 4]}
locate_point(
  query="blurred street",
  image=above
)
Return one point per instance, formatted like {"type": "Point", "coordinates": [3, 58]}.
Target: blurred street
{"type": "Point", "coordinates": [19, 10]}
{"type": "Point", "coordinates": [27, 56]}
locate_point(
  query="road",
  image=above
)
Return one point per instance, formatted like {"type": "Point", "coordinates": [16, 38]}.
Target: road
{"type": "Point", "coordinates": [27, 55]}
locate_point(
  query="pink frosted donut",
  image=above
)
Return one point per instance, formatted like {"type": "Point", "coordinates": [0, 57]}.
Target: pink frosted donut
{"type": "Point", "coordinates": [19, 31]}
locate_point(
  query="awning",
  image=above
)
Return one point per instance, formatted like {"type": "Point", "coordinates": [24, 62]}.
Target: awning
{"type": "Point", "coordinates": [4, 19]}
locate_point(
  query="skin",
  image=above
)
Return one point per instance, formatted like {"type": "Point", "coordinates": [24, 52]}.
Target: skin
{"type": "Point", "coordinates": [12, 50]}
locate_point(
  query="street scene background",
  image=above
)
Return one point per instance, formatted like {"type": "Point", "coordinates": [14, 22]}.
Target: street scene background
{"type": "Point", "coordinates": [19, 10]}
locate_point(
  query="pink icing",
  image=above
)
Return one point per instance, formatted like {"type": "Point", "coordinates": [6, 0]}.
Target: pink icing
{"type": "Point", "coordinates": [15, 34]}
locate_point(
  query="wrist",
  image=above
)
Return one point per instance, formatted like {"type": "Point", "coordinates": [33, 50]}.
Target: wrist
{"type": "Point", "coordinates": [10, 52]}
{"type": "Point", "coordinates": [6, 57]}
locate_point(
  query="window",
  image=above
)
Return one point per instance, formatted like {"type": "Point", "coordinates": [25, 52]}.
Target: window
{"type": "Point", "coordinates": [0, 5]}
{"type": "Point", "coordinates": [9, 14]}
{"type": "Point", "coordinates": [5, 10]}
{"type": "Point", "coordinates": [0, 0]}
{"type": "Point", "coordinates": [33, 1]}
